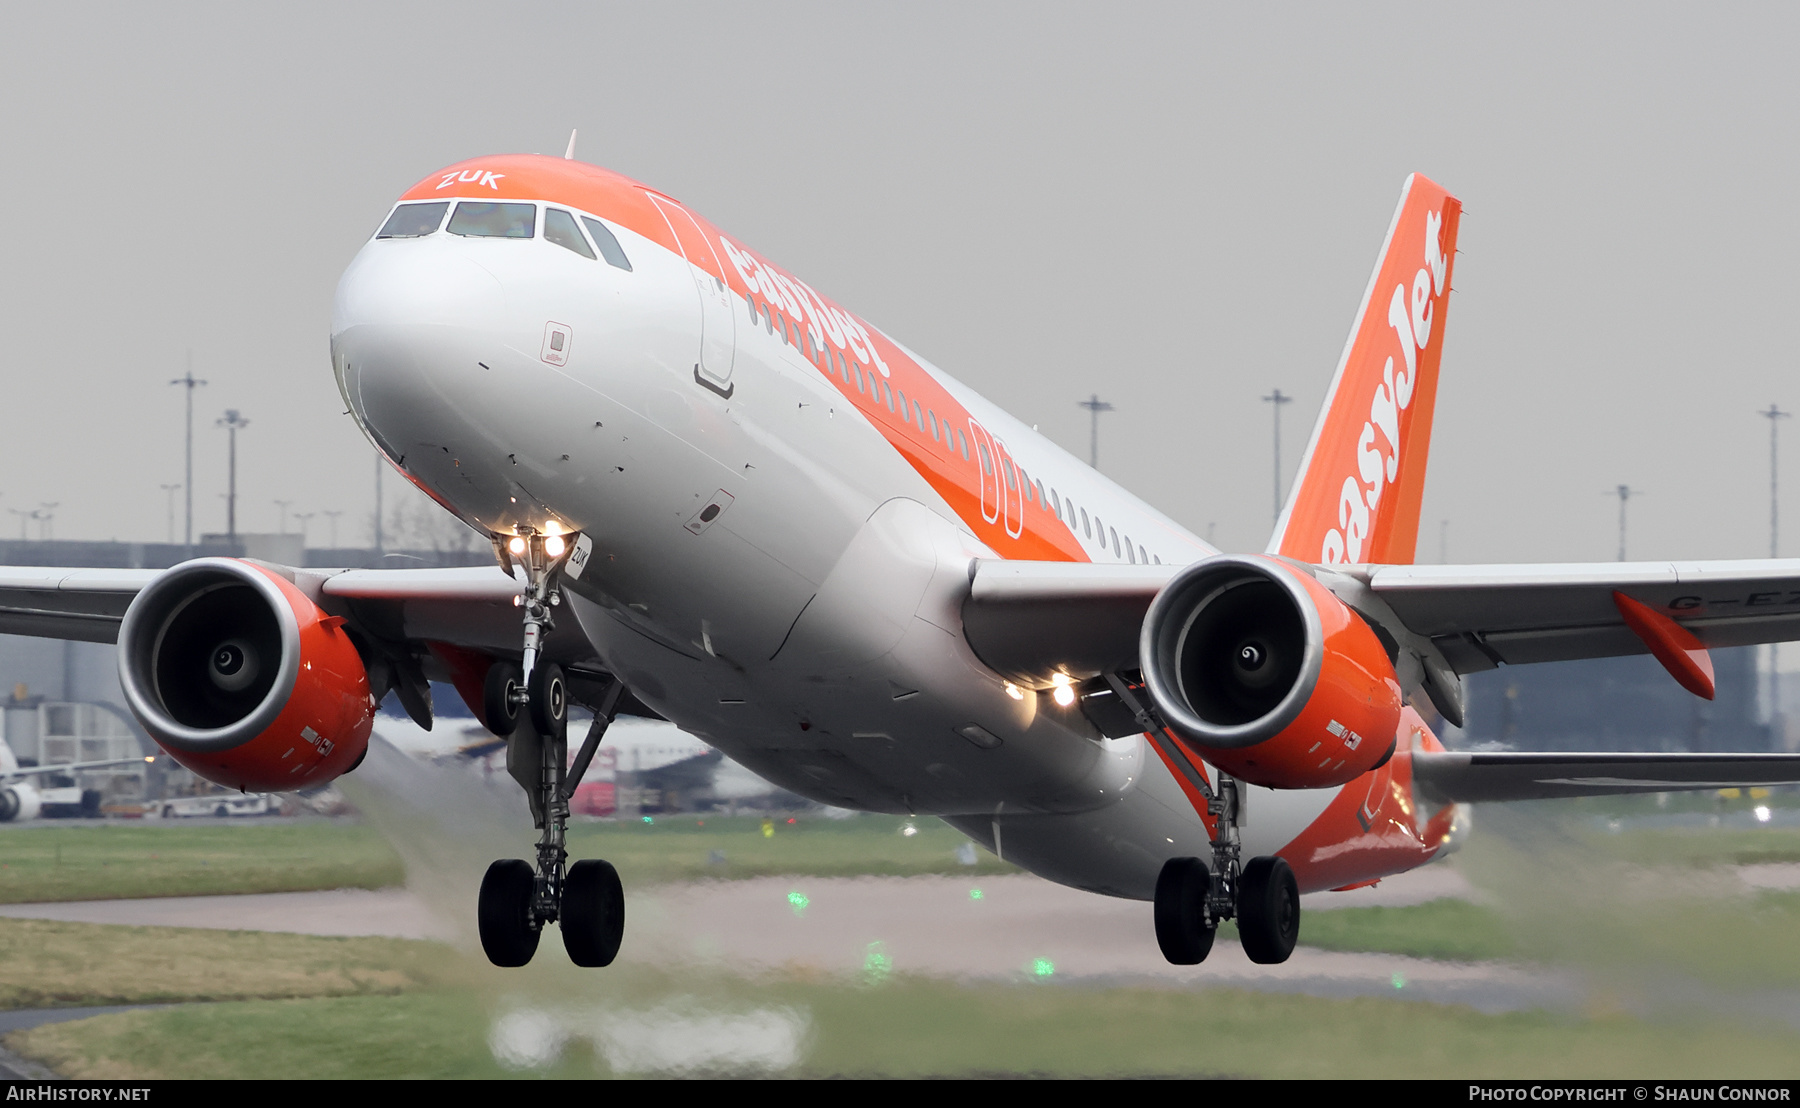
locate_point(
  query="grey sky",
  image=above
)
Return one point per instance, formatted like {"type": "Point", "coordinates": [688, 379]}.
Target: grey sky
{"type": "Point", "coordinates": [1176, 206]}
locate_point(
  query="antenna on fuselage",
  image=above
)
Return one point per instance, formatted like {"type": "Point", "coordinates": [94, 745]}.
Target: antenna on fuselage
{"type": "Point", "coordinates": [569, 154]}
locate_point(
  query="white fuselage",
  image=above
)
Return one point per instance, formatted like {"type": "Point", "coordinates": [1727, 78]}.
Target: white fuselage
{"type": "Point", "coordinates": [809, 626]}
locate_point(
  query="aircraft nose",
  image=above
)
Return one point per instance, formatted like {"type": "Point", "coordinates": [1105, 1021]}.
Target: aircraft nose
{"type": "Point", "coordinates": [409, 328]}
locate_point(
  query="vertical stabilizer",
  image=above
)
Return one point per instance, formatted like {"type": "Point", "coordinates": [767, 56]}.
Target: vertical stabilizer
{"type": "Point", "coordinates": [1362, 478]}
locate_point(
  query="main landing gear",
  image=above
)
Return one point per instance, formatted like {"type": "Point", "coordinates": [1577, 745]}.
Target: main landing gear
{"type": "Point", "coordinates": [517, 899]}
{"type": "Point", "coordinates": [1192, 899]}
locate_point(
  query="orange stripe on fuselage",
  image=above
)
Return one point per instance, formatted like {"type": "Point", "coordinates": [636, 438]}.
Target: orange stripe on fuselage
{"type": "Point", "coordinates": [619, 199]}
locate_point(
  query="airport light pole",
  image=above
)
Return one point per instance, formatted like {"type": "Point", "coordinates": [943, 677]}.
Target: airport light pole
{"type": "Point", "coordinates": [1774, 415]}
{"type": "Point", "coordinates": [304, 518]}
{"type": "Point", "coordinates": [169, 492]}
{"type": "Point", "coordinates": [1624, 493]}
{"type": "Point", "coordinates": [25, 517]}
{"type": "Point", "coordinates": [332, 516]}
{"type": "Point", "coordinates": [1095, 406]}
{"type": "Point", "coordinates": [231, 421]}
{"type": "Point", "coordinates": [46, 516]}
{"type": "Point", "coordinates": [283, 505]}
{"type": "Point", "coordinates": [191, 384]}
{"type": "Point", "coordinates": [1278, 398]}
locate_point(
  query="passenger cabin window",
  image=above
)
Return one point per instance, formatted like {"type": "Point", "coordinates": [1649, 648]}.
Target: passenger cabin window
{"type": "Point", "coordinates": [609, 246]}
{"type": "Point", "coordinates": [411, 221]}
{"type": "Point", "coordinates": [559, 227]}
{"type": "Point", "coordinates": [1084, 524]}
{"type": "Point", "coordinates": [919, 415]}
{"type": "Point", "coordinates": [962, 444]}
{"type": "Point", "coordinates": [479, 219]}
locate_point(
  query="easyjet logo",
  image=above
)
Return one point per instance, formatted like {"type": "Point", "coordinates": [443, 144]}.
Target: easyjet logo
{"type": "Point", "coordinates": [806, 307]}
{"type": "Point", "coordinates": [1377, 461]}
{"type": "Point", "coordinates": [472, 177]}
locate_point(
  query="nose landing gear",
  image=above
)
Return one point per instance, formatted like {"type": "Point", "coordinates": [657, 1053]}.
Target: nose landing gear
{"type": "Point", "coordinates": [517, 899]}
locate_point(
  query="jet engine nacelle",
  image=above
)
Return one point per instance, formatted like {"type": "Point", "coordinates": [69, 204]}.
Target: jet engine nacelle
{"type": "Point", "coordinates": [20, 801]}
{"type": "Point", "coordinates": [1271, 677]}
{"type": "Point", "coordinates": [242, 679]}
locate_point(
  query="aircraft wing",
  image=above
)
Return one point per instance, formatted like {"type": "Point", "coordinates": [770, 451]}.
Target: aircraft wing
{"type": "Point", "coordinates": [81, 604]}
{"type": "Point", "coordinates": [1462, 776]}
{"type": "Point", "coordinates": [71, 767]}
{"type": "Point", "coordinates": [415, 619]}
{"type": "Point", "coordinates": [464, 606]}
{"type": "Point", "coordinates": [1030, 619]}
{"type": "Point", "coordinates": [1483, 616]}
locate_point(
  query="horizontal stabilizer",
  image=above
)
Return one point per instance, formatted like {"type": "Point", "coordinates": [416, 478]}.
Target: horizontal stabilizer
{"type": "Point", "coordinates": [1458, 776]}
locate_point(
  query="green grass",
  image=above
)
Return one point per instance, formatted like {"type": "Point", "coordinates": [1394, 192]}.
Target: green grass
{"type": "Point", "coordinates": [1444, 930]}
{"type": "Point", "coordinates": [130, 859]}
{"type": "Point", "coordinates": [907, 1027]}
{"type": "Point", "coordinates": [49, 964]}
{"type": "Point", "coordinates": [122, 860]}
{"type": "Point", "coordinates": [680, 848]}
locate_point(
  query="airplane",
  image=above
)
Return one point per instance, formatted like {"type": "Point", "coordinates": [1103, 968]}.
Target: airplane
{"type": "Point", "coordinates": [717, 496]}
{"type": "Point", "coordinates": [21, 800]}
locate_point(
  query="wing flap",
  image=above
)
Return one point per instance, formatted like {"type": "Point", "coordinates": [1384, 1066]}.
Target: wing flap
{"type": "Point", "coordinates": [1460, 776]}
{"type": "Point", "coordinates": [1029, 620]}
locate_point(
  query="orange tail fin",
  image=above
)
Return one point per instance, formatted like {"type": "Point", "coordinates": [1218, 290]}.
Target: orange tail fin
{"type": "Point", "coordinates": [1363, 476]}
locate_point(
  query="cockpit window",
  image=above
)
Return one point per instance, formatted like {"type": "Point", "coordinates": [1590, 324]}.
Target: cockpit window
{"type": "Point", "coordinates": [411, 221]}
{"type": "Point", "coordinates": [609, 246]}
{"type": "Point", "coordinates": [559, 227]}
{"type": "Point", "coordinates": [494, 221]}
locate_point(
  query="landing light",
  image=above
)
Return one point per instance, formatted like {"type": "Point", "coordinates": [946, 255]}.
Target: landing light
{"type": "Point", "coordinates": [554, 546]}
{"type": "Point", "coordinates": [1064, 695]}
{"type": "Point", "coordinates": [517, 545]}
{"type": "Point", "coordinates": [1012, 690]}
{"type": "Point", "coordinates": [1762, 813]}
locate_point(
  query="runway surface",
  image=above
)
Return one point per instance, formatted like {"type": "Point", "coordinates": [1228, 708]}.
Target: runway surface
{"type": "Point", "coordinates": [1004, 927]}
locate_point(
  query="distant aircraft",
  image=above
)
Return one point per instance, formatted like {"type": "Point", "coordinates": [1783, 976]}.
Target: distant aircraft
{"type": "Point", "coordinates": [717, 496]}
{"type": "Point", "coordinates": [21, 799]}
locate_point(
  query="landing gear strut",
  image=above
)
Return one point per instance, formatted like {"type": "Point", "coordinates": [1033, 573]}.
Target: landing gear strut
{"type": "Point", "coordinates": [518, 899]}
{"type": "Point", "coordinates": [1192, 899]}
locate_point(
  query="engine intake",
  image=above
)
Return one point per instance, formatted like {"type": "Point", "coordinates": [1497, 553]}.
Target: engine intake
{"type": "Point", "coordinates": [242, 679]}
{"type": "Point", "coordinates": [1272, 677]}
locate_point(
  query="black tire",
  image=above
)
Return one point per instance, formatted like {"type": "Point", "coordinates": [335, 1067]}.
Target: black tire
{"type": "Point", "coordinates": [9, 805]}
{"type": "Point", "coordinates": [499, 700]}
{"type": "Point", "coordinates": [504, 913]}
{"type": "Point", "coordinates": [1183, 929]}
{"type": "Point", "coordinates": [593, 913]}
{"type": "Point", "coordinates": [1268, 910]}
{"type": "Point", "coordinates": [549, 700]}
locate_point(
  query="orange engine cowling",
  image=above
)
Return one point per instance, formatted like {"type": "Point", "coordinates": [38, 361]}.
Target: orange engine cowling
{"type": "Point", "coordinates": [1271, 677]}
{"type": "Point", "coordinates": [244, 680]}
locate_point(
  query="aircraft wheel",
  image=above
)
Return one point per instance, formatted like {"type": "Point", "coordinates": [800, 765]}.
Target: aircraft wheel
{"type": "Point", "coordinates": [9, 805]}
{"type": "Point", "coordinates": [593, 913]}
{"type": "Point", "coordinates": [549, 700]}
{"type": "Point", "coordinates": [1268, 910]}
{"type": "Point", "coordinates": [504, 913]}
{"type": "Point", "coordinates": [1183, 930]}
{"type": "Point", "coordinates": [499, 699]}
